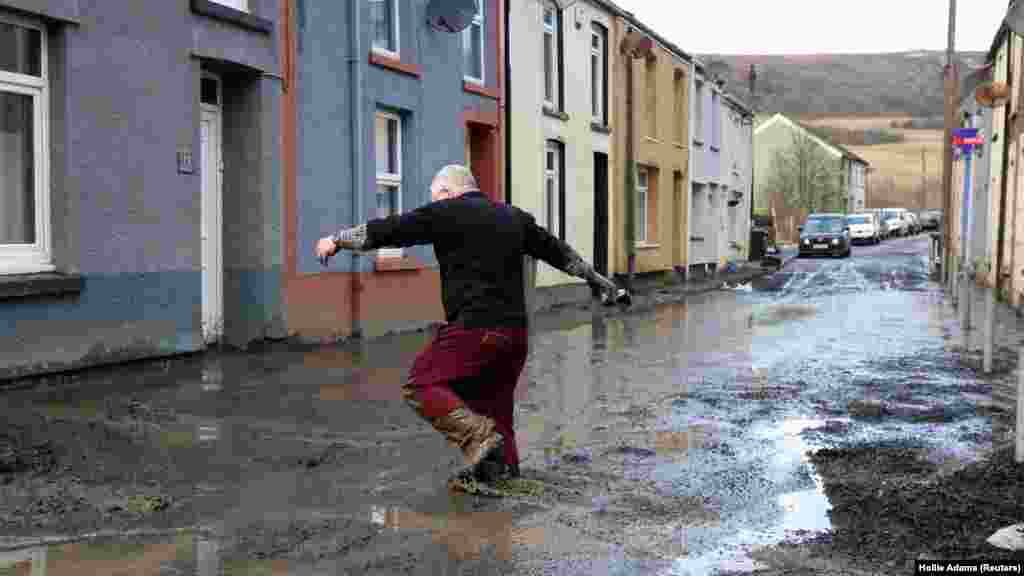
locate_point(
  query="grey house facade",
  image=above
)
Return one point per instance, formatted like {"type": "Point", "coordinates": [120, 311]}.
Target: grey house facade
{"type": "Point", "coordinates": [140, 199]}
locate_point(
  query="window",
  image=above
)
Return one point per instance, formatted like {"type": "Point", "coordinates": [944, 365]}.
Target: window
{"type": "Point", "coordinates": [642, 193]}
{"type": "Point", "coordinates": [716, 121]}
{"type": "Point", "coordinates": [388, 141]}
{"type": "Point", "coordinates": [24, 202]}
{"type": "Point", "coordinates": [598, 82]}
{"type": "Point", "coordinates": [384, 24]}
{"type": "Point", "coordinates": [552, 33]}
{"type": "Point", "coordinates": [698, 113]}
{"type": "Point", "coordinates": [554, 196]}
{"type": "Point", "coordinates": [680, 121]}
{"type": "Point", "coordinates": [473, 46]}
{"type": "Point", "coordinates": [652, 99]}
{"type": "Point", "coordinates": [241, 5]}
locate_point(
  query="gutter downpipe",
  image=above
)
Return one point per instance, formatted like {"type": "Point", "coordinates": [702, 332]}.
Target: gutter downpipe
{"type": "Point", "coordinates": [357, 165]}
{"type": "Point", "coordinates": [630, 171]}
{"type": "Point", "coordinates": [508, 106]}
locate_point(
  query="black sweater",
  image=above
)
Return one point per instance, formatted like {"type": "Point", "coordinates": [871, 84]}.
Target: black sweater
{"type": "Point", "coordinates": [480, 246]}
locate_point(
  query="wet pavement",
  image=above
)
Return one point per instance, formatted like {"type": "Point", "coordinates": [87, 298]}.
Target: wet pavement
{"type": "Point", "coordinates": [691, 438]}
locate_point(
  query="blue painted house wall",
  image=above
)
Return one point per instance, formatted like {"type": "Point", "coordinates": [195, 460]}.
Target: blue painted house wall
{"type": "Point", "coordinates": [433, 105]}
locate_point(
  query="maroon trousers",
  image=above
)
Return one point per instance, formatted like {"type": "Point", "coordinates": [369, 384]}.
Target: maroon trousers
{"type": "Point", "coordinates": [476, 368]}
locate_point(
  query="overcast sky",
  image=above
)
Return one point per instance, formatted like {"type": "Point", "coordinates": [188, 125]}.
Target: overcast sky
{"type": "Point", "coordinates": [817, 26]}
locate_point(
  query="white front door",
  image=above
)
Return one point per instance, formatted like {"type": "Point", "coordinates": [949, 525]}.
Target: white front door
{"type": "Point", "coordinates": [211, 224]}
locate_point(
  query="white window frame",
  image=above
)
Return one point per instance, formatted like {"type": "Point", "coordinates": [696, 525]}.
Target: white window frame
{"type": "Point", "coordinates": [467, 36]}
{"type": "Point", "coordinates": [395, 29]}
{"type": "Point", "coordinates": [240, 5]}
{"type": "Point", "coordinates": [390, 178]}
{"type": "Point", "coordinates": [552, 204]}
{"type": "Point", "coordinates": [597, 86]}
{"type": "Point", "coordinates": [555, 56]}
{"type": "Point", "coordinates": [642, 199]}
{"type": "Point", "coordinates": [37, 257]}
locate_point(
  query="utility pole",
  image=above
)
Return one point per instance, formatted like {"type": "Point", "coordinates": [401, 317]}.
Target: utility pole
{"type": "Point", "coordinates": [947, 144]}
{"type": "Point", "coordinates": [924, 181]}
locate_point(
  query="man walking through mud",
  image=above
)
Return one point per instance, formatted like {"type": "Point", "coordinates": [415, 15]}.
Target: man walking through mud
{"type": "Point", "coordinates": [463, 382]}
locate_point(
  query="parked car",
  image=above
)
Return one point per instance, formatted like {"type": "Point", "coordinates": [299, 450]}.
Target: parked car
{"type": "Point", "coordinates": [913, 224]}
{"type": "Point", "coordinates": [864, 227]}
{"type": "Point", "coordinates": [825, 233]}
{"type": "Point", "coordinates": [931, 219]}
{"type": "Point", "coordinates": [895, 225]}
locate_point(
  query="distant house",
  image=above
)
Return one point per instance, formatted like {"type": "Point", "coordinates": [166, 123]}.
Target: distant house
{"type": "Point", "coordinates": [774, 134]}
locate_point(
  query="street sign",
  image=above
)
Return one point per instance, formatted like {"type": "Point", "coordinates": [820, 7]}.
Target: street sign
{"type": "Point", "coordinates": [967, 138]}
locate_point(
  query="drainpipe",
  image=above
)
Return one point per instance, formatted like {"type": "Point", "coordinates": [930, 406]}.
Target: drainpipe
{"type": "Point", "coordinates": [630, 179]}
{"type": "Point", "coordinates": [508, 106]}
{"type": "Point", "coordinates": [356, 79]}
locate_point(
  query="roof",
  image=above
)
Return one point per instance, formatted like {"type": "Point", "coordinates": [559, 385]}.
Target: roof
{"type": "Point", "coordinates": [671, 47]}
{"type": "Point", "coordinates": [738, 104]}
{"type": "Point", "coordinates": [817, 135]}
{"type": "Point", "coordinates": [847, 153]}
{"type": "Point", "coordinates": [632, 19]}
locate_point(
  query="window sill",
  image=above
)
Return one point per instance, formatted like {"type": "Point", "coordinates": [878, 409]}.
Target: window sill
{"type": "Point", "coordinates": [679, 145]}
{"type": "Point", "coordinates": [45, 284]}
{"type": "Point", "coordinates": [397, 263]}
{"type": "Point", "coordinates": [698, 143]}
{"type": "Point", "coordinates": [696, 238]}
{"type": "Point", "coordinates": [237, 17]}
{"type": "Point", "coordinates": [716, 149]}
{"type": "Point", "coordinates": [652, 140]}
{"type": "Point", "coordinates": [474, 87]}
{"type": "Point", "coordinates": [600, 128]}
{"type": "Point", "coordinates": [394, 64]}
{"type": "Point", "coordinates": [647, 246]}
{"type": "Point", "coordinates": [555, 114]}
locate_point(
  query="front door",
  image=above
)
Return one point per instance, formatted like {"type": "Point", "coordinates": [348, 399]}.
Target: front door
{"type": "Point", "coordinates": [211, 224]}
{"type": "Point", "coordinates": [601, 212]}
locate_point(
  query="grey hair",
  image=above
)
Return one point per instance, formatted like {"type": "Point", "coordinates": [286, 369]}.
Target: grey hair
{"type": "Point", "coordinates": [458, 178]}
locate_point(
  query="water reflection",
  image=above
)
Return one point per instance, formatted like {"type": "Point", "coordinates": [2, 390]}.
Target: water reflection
{"type": "Point", "coordinates": [185, 554]}
{"type": "Point", "coordinates": [466, 535]}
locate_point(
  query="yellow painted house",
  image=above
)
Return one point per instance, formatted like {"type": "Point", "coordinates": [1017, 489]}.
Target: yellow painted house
{"type": "Point", "coordinates": [661, 89]}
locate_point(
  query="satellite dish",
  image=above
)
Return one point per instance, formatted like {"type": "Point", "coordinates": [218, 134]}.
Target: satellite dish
{"type": "Point", "coordinates": [452, 16]}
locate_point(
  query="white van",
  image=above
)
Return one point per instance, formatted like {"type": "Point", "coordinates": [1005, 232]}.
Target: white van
{"type": "Point", "coordinates": [865, 228]}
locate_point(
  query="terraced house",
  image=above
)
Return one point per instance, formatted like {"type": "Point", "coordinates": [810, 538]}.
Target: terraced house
{"type": "Point", "coordinates": [661, 88]}
{"type": "Point", "coordinates": [139, 196]}
{"type": "Point", "coordinates": [563, 67]}
{"type": "Point", "coordinates": [380, 101]}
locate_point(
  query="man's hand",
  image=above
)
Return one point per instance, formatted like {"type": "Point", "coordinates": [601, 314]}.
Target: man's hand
{"type": "Point", "coordinates": [325, 248]}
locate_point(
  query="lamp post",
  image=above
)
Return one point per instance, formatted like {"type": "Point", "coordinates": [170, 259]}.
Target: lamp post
{"type": "Point", "coordinates": [634, 46]}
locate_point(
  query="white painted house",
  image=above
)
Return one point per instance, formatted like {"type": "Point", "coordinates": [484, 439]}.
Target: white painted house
{"type": "Point", "coordinates": [722, 164]}
{"type": "Point", "coordinates": [562, 60]}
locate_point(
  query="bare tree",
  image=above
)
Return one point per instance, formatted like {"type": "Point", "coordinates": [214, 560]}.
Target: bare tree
{"type": "Point", "coordinates": [808, 177]}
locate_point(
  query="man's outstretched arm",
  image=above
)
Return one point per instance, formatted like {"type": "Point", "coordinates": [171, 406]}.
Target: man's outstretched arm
{"type": "Point", "coordinates": [400, 230]}
{"type": "Point", "coordinates": [542, 245]}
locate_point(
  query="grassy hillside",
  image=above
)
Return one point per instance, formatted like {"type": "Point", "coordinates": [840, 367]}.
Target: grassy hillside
{"type": "Point", "coordinates": [905, 84]}
{"type": "Point", "coordinates": [897, 166]}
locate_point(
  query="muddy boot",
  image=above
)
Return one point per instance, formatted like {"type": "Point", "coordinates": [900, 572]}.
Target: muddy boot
{"type": "Point", "coordinates": [472, 433]}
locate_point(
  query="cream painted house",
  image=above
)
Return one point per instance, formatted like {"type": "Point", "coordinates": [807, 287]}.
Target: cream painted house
{"type": "Point", "coordinates": [562, 62]}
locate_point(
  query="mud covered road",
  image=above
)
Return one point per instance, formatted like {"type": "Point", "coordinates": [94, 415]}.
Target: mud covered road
{"type": "Point", "coordinates": [825, 419]}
